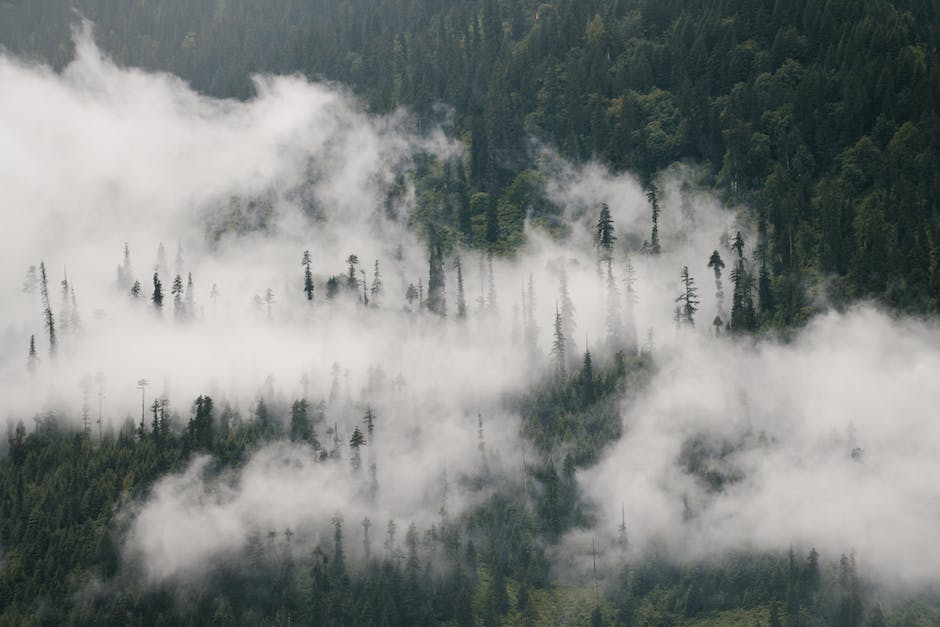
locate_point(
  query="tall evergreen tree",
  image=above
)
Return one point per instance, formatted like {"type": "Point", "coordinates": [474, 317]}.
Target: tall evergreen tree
{"type": "Point", "coordinates": [558, 346]}
{"type": "Point", "coordinates": [631, 343]}
{"type": "Point", "coordinates": [688, 298]}
{"type": "Point", "coordinates": [376, 289]}
{"type": "Point", "coordinates": [157, 297]}
{"type": "Point", "coordinates": [604, 237]}
{"type": "Point", "coordinates": [33, 359]}
{"type": "Point", "coordinates": [437, 300]}
{"type": "Point", "coordinates": [461, 299]}
{"type": "Point", "coordinates": [567, 310]}
{"type": "Point", "coordinates": [308, 276]}
{"type": "Point", "coordinates": [352, 283]}
{"type": "Point", "coordinates": [49, 320]}
{"type": "Point", "coordinates": [355, 442]}
{"type": "Point", "coordinates": [300, 425]}
{"type": "Point", "coordinates": [653, 197]}
{"type": "Point", "coordinates": [177, 291]}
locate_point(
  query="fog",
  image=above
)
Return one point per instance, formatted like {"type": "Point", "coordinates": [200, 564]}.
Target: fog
{"type": "Point", "coordinates": [827, 440]}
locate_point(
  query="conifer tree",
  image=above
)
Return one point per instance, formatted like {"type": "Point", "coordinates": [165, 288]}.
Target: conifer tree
{"type": "Point", "coordinates": [604, 237]}
{"type": "Point", "coordinates": [461, 299]}
{"type": "Point", "coordinates": [177, 291]}
{"type": "Point", "coordinates": [124, 271]}
{"type": "Point", "coordinates": [352, 283]}
{"type": "Point", "coordinates": [437, 302]}
{"type": "Point", "coordinates": [567, 310]}
{"type": "Point", "coordinates": [308, 276]}
{"type": "Point", "coordinates": [688, 298]}
{"type": "Point", "coordinates": [135, 290]}
{"type": "Point", "coordinates": [629, 318]}
{"type": "Point", "coordinates": [47, 309]}
{"type": "Point", "coordinates": [614, 318]}
{"type": "Point", "coordinates": [376, 289]}
{"type": "Point", "coordinates": [652, 197]}
{"type": "Point", "coordinates": [157, 297]}
{"type": "Point", "coordinates": [269, 300]}
{"type": "Point", "coordinates": [558, 346]}
{"type": "Point", "coordinates": [190, 309]}
{"type": "Point", "coordinates": [743, 316]}
{"type": "Point", "coordinates": [300, 426]}
{"type": "Point", "coordinates": [716, 263]}
{"type": "Point", "coordinates": [357, 440]}
{"type": "Point", "coordinates": [369, 420]}
{"type": "Point", "coordinates": [33, 359]}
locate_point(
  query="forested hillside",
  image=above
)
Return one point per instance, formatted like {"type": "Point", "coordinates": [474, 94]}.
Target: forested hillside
{"type": "Point", "coordinates": [470, 313]}
{"type": "Point", "coordinates": [820, 117]}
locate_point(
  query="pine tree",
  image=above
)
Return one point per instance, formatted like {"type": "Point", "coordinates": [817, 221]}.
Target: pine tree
{"type": "Point", "coordinates": [558, 346]}
{"type": "Point", "coordinates": [33, 359]}
{"type": "Point", "coordinates": [604, 237]}
{"type": "Point", "coordinates": [630, 333]}
{"type": "Point", "coordinates": [369, 420]}
{"type": "Point", "coordinates": [308, 276]}
{"type": "Point", "coordinates": [688, 297]}
{"type": "Point", "coordinates": [531, 332]}
{"type": "Point", "coordinates": [47, 309]}
{"type": "Point", "coordinates": [437, 302]}
{"type": "Point", "coordinates": [177, 291]}
{"type": "Point", "coordinates": [135, 290]}
{"type": "Point", "coordinates": [190, 309]}
{"type": "Point", "coordinates": [587, 378]}
{"type": "Point", "coordinates": [716, 263]}
{"type": "Point", "coordinates": [357, 440]}
{"type": "Point", "coordinates": [157, 297]}
{"type": "Point", "coordinates": [352, 283]}
{"type": "Point", "coordinates": [269, 300]}
{"type": "Point", "coordinates": [124, 271]}
{"type": "Point", "coordinates": [614, 319]}
{"type": "Point", "coordinates": [376, 289]}
{"type": "Point", "coordinates": [743, 316]}
{"type": "Point", "coordinates": [568, 325]}
{"type": "Point", "coordinates": [300, 426]}
{"type": "Point", "coordinates": [461, 299]}
{"type": "Point", "coordinates": [652, 197]}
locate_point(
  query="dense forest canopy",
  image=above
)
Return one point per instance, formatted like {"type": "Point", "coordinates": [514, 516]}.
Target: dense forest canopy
{"type": "Point", "coordinates": [469, 313]}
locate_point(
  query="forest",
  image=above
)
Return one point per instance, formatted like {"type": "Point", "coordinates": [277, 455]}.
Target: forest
{"type": "Point", "coordinates": [495, 312]}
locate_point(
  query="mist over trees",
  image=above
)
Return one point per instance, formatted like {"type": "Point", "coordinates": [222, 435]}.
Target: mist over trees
{"type": "Point", "coordinates": [499, 389]}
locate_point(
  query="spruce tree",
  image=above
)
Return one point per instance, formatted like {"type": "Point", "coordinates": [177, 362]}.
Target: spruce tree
{"type": "Point", "coordinates": [376, 289]}
{"type": "Point", "coordinates": [352, 283]}
{"type": "Point", "coordinates": [437, 302]}
{"type": "Point", "coordinates": [558, 346]}
{"type": "Point", "coordinates": [177, 291]}
{"type": "Point", "coordinates": [33, 359]}
{"type": "Point", "coordinates": [47, 309]}
{"type": "Point", "coordinates": [567, 310]}
{"type": "Point", "coordinates": [614, 319]}
{"type": "Point", "coordinates": [629, 313]}
{"type": "Point", "coordinates": [604, 237]}
{"type": "Point", "coordinates": [157, 297]}
{"type": "Point", "coordinates": [688, 298]}
{"type": "Point", "coordinates": [300, 426]}
{"type": "Point", "coordinates": [308, 276]}
{"type": "Point", "coordinates": [461, 299]}
{"type": "Point", "coordinates": [355, 442]}
{"type": "Point", "coordinates": [652, 197]}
